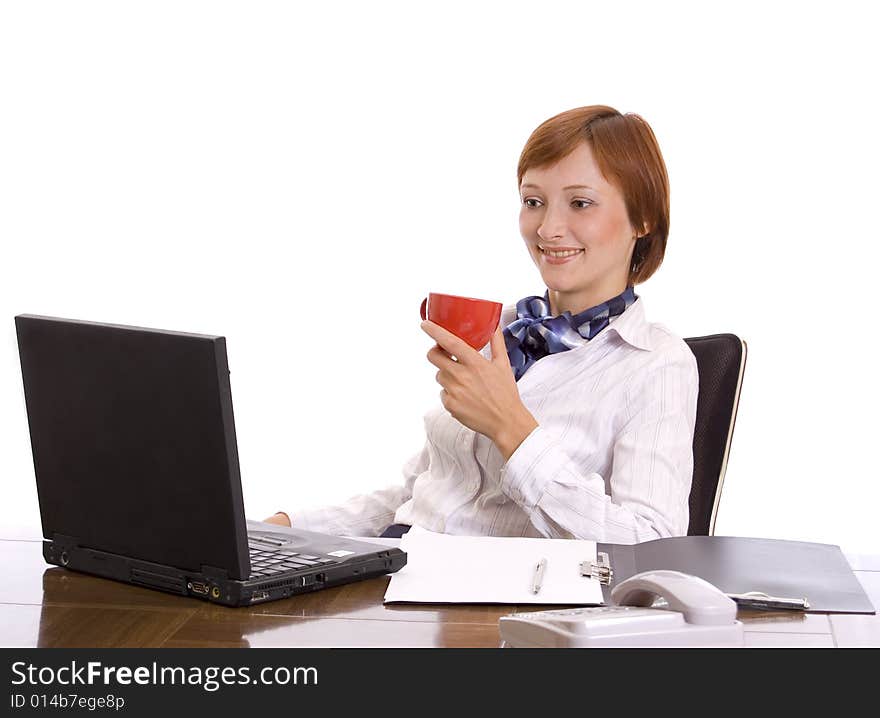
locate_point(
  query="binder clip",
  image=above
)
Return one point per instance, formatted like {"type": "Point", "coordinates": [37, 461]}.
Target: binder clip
{"type": "Point", "coordinates": [600, 569]}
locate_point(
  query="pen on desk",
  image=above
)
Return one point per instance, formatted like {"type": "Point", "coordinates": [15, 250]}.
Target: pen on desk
{"type": "Point", "coordinates": [539, 575]}
{"type": "Point", "coordinates": [759, 600]}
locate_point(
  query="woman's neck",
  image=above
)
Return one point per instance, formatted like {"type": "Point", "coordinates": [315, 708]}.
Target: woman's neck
{"type": "Point", "coordinates": [577, 302]}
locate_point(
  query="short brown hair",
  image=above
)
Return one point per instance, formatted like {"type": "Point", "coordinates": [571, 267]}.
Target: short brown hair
{"type": "Point", "coordinates": [628, 156]}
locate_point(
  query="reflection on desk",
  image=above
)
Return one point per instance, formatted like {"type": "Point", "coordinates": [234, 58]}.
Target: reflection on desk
{"type": "Point", "coordinates": [52, 607]}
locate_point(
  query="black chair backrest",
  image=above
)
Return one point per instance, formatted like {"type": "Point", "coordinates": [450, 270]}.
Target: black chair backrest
{"type": "Point", "coordinates": [721, 360]}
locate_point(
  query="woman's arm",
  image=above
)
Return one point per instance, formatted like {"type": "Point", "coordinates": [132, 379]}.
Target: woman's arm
{"type": "Point", "coordinates": [651, 475]}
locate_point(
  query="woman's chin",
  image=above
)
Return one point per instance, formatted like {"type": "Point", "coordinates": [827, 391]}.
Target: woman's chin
{"type": "Point", "coordinates": [555, 283]}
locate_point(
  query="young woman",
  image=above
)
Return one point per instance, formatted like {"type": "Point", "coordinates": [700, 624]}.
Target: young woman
{"type": "Point", "coordinates": [577, 420]}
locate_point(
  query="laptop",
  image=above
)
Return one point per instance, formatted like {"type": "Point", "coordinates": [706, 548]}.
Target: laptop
{"type": "Point", "coordinates": [136, 462]}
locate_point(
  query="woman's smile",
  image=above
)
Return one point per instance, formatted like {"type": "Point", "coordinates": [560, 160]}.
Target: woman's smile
{"type": "Point", "coordinates": [559, 255]}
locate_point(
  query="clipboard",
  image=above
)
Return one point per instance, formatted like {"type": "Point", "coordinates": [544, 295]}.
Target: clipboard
{"type": "Point", "coordinates": [450, 569]}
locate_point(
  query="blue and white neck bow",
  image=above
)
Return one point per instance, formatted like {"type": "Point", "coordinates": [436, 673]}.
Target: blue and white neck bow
{"type": "Point", "coordinates": [534, 333]}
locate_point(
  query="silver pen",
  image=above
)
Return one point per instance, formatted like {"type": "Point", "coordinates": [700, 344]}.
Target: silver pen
{"type": "Point", "coordinates": [539, 575]}
{"type": "Point", "coordinates": [757, 599]}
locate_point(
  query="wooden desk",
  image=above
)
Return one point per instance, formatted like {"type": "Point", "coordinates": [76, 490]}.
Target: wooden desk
{"type": "Point", "coordinates": [46, 606]}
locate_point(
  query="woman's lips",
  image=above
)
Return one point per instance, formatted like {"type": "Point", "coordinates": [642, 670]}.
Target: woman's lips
{"type": "Point", "coordinates": [564, 256]}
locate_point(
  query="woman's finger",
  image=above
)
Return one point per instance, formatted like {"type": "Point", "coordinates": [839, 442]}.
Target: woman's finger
{"type": "Point", "coordinates": [499, 347]}
{"type": "Point", "coordinates": [439, 357]}
{"type": "Point", "coordinates": [453, 346]}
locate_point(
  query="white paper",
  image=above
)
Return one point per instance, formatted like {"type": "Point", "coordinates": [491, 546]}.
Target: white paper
{"type": "Point", "coordinates": [486, 569]}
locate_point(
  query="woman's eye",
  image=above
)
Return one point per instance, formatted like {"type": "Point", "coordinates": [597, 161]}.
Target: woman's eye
{"type": "Point", "coordinates": [577, 203]}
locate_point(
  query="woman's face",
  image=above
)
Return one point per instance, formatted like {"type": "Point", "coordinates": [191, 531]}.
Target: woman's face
{"type": "Point", "coordinates": [569, 207]}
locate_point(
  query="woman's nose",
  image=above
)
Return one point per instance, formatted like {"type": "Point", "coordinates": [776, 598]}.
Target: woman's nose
{"type": "Point", "coordinates": [552, 224]}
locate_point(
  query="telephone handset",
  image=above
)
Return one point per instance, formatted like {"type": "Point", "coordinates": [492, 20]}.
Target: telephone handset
{"type": "Point", "coordinates": [696, 614]}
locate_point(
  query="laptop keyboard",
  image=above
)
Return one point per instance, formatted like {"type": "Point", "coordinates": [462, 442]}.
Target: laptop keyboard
{"type": "Point", "coordinates": [268, 562]}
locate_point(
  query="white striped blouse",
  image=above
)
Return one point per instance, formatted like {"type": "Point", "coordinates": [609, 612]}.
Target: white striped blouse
{"type": "Point", "coordinates": [611, 459]}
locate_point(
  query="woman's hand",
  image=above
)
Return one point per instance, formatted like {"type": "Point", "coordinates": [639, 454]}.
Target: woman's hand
{"type": "Point", "coordinates": [279, 519]}
{"type": "Point", "coordinates": [481, 393]}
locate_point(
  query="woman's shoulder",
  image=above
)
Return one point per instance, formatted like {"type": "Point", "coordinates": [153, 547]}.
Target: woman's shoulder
{"type": "Point", "coordinates": [662, 337]}
{"type": "Point", "coordinates": [654, 341]}
{"type": "Point", "coordinates": [668, 347]}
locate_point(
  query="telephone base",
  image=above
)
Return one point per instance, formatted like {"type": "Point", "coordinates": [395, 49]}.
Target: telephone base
{"type": "Point", "coordinates": [614, 627]}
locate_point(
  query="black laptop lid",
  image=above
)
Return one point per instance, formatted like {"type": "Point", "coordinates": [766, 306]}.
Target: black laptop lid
{"type": "Point", "coordinates": [133, 441]}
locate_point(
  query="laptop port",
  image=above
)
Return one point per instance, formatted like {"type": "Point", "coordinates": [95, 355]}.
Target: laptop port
{"type": "Point", "coordinates": [198, 587]}
{"type": "Point", "coordinates": [215, 592]}
{"type": "Point", "coordinates": [259, 596]}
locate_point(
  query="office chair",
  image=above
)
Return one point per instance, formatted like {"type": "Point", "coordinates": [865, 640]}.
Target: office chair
{"type": "Point", "coordinates": [721, 362]}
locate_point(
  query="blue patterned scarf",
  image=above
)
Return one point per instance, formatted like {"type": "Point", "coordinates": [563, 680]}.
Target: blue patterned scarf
{"type": "Point", "coordinates": [534, 333]}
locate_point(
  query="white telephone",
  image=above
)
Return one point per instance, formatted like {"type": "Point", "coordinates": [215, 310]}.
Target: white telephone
{"type": "Point", "coordinates": [696, 614]}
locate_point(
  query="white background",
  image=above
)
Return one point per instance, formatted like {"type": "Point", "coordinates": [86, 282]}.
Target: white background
{"type": "Point", "coordinates": [296, 176]}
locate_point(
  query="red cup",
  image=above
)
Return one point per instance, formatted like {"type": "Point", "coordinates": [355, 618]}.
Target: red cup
{"type": "Point", "coordinates": [473, 320]}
